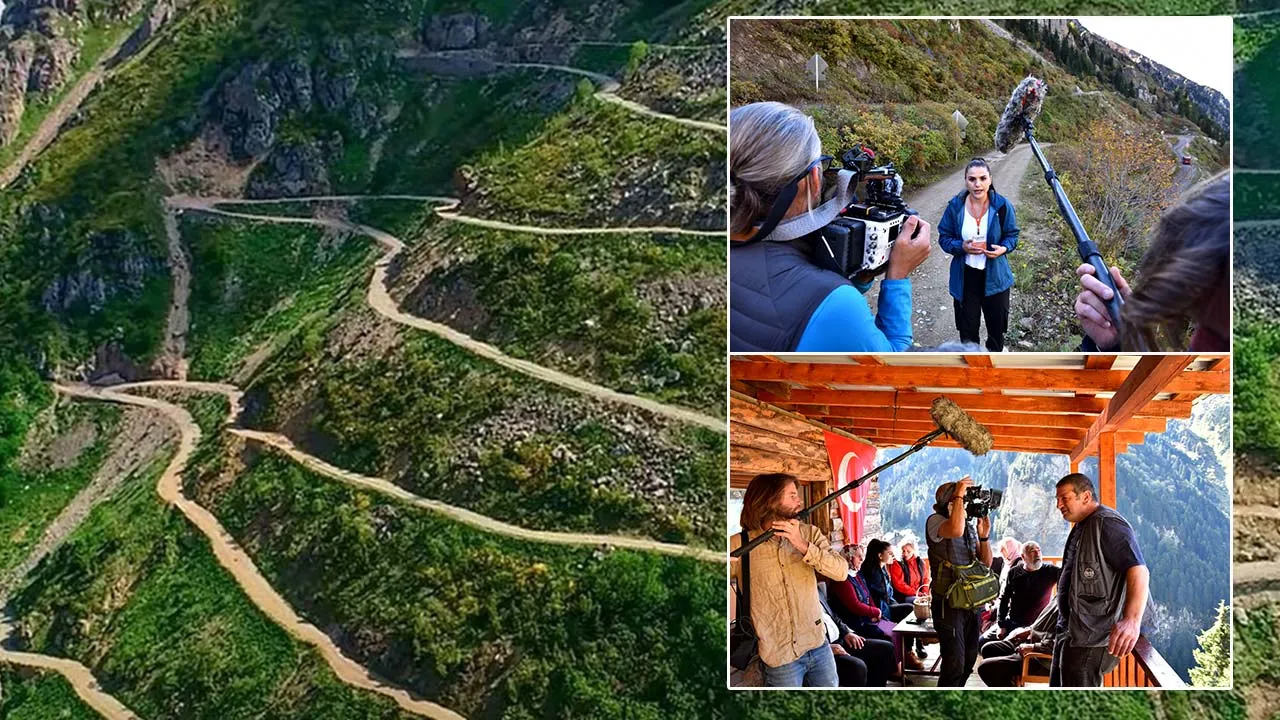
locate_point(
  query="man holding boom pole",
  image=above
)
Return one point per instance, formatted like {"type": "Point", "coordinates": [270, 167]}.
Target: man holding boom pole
{"type": "Point", "coordinates": [785, 609]}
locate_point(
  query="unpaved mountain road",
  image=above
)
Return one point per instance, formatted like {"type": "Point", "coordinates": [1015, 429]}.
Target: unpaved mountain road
{"type": "Point", "coordinates": [380, 300]}
{"type": "Point", "coordinates": [241, 567]}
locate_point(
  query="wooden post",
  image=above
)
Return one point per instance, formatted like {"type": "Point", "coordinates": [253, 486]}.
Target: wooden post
{"type": "Point", "coordinates": [1107, 469]}
{"type": "Point", "coordinates": [1075, 465]}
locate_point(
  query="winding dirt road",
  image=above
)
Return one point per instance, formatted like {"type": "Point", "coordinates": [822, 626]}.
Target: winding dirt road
{"type": "Point", "coordinates": [381, 301]}
{"type": "Point", "coordinates": [241, 566]}
{"type": "Point", "coordinates": [81, 679]}
{"type": "Point", "coordinates": [172, 363]}
{"type": "Point", "coordinates": [250, 579]}
{"type": "Point", "coordinates": [608, 92]}
{"type": "Point", "coordinates": [467, 517]}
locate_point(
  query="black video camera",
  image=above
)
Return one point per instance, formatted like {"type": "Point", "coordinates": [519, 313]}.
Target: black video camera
{"type": "Point", "coordinates": [857, 243]}
{"type": "Point", "coordinates": [979, 501]}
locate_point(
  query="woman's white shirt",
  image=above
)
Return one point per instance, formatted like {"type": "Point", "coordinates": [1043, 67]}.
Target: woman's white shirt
{"type": "Point", "coordinates": [969, 230]}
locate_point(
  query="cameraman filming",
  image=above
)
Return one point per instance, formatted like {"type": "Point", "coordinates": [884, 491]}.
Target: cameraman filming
{"type": "Point", "coordinates": [779, 299]}
{"type": "Point", "coordinates": [953, 540]}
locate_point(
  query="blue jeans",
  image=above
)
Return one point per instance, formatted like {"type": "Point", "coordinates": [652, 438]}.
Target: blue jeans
{"type": "Point", "coordinates": [816, 668]}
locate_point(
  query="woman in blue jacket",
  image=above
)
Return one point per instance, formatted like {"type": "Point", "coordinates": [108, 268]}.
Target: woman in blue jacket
{"type": "Point", "coordinates": [978, 229]}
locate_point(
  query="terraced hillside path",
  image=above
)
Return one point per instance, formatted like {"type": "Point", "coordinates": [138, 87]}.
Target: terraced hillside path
{"type": "Point", "coordinates": [81, 679]}
{"type": "Point", "coordinates": [245, 572]}
{"type": "Point", "coordinates": [608, 92]}
{"type": "Point", "coordinates": [241, 566]}
{"type": "Point", "coordinates": [381, 301]}
{"type": "Point", "coordinates": [468, 517]}
{"type": "Point", "coordinates": [52, 123]}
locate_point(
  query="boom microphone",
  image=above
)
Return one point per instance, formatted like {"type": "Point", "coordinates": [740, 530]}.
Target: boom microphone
{"type": "Point", "coordinates": [951, 420]}
{"type": "Point", "coordinates": [1023, 108]}
{"type": "Point", "coordinates": [1017, 121]}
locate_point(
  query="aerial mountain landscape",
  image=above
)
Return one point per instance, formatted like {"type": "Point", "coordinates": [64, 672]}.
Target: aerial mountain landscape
{"type": "Point", "coordinates": [367, 360]}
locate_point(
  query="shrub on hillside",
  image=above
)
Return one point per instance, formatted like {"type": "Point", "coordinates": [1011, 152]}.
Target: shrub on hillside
{"type": "Point", "coordinates": [1121, 182]}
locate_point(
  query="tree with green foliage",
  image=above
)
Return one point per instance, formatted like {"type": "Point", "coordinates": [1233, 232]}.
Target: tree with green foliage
{"type": "Point", "coordinates": [1213, 657]}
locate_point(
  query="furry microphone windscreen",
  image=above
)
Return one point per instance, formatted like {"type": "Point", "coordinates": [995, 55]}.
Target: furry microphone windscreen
{"type": "Point", "coordinates": [957, 423]}
{"type": "Point", "coordinates": [1027, 100]}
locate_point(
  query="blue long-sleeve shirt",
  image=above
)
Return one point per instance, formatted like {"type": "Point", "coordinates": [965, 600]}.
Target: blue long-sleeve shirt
{"type": "Point", "coordinates": [844, 323]}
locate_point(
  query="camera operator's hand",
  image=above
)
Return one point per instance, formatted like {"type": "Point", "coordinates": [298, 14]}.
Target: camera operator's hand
{"type": "Point", "coordinates": [984, 527]}
{"type": "Point", "coordinates": [910, 249]}
{"type": "Point", "coordinates": [962, 487]}
{"type": "Point", "coordinates": [996, 251]}
{"type": "Point", "coordinates": [1091, 308]}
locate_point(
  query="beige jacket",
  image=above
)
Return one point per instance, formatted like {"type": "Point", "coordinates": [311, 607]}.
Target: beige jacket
{"type": "Point", "coordinates": [784, 594]}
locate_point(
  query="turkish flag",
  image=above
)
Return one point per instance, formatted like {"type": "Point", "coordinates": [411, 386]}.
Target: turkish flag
{"type": "Point", "coordinates": [850, 460]}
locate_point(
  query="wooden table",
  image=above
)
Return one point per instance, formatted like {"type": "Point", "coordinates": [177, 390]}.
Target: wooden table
{"type": "Point", "coordinates": [905, 634]}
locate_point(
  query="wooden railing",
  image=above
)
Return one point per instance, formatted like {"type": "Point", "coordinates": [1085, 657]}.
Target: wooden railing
{"type": "Point", "coordinates": [1144, 667]}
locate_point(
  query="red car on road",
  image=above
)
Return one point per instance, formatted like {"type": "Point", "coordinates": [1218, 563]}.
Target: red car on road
{"type": "Point", "coordinates": [1186, 159]}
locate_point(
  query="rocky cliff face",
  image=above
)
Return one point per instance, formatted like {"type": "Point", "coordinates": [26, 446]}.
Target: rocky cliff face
{"type": "Point", "coordinates": [40, 42]}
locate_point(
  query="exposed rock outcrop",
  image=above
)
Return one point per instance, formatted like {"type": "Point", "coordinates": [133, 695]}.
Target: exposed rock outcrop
{"type": "Point", "coordinates": [455, 32]}
{"type": "Point", "coordinates": [15, 71]}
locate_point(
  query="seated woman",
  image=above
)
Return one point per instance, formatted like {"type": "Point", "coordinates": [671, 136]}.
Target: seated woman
{"type": "Point", "coordinates": [873, 569]}
{"type": "Point", "coordinates": [779, 300]}
{"type": "Point", "coordinates": [1184, 279]}
{"type": "Point", "coordinates": [853, 601]}
{"type": "Point", "coordinates": [860, 661]}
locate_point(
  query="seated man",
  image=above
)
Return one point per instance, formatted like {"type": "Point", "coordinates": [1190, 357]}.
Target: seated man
{"type": "Point", "coordinates": [1002, 659]}
{"type": "Point", "coordinates": [1027, 589]}
{"type": "Point", "coordinates": [860, 662]}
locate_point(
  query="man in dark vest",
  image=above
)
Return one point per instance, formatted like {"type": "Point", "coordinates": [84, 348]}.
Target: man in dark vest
{"type": "Point", "coordinates": [1102, 592]}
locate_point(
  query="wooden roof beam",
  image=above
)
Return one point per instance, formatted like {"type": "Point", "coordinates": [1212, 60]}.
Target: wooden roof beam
{"type": "Point", "coordinates": [886, 416]}
{"type": "Point", "coordinates": [1086, 381]}
{"type": "Point", "coordinates": [986, 401]}
{"type": "Point", "coordinates": [1153, 374]}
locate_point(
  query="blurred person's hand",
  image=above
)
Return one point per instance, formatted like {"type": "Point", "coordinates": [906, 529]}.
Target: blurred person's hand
{"type": "Point", "coordinates": [1091, 307]}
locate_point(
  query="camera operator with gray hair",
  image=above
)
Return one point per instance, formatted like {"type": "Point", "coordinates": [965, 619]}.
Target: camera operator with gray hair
{"type": "Point", "coordinates": [799, 265]}
{"type": "Point", "coordinates": [954, 543]}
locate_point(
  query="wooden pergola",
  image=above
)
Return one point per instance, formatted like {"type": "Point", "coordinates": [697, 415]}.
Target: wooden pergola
{"type": "Point", "coordinates": [1075, 405]}
{"type": "Point", "coordinates": [1068, 404]}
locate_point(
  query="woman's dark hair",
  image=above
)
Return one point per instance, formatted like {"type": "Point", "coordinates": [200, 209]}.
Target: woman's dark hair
{"type": "Point", "coordinates": [982, 163]}
{"type": "Point", "coordinates": [872, 560]}
{"type": "Point", "coordinates": [761, 498]}
{"type": "Point", "coordinates": [1188, 260]}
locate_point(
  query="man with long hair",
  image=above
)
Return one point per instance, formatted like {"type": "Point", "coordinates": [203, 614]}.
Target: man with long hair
{"type": "Point", "coordinates": [785, 610]}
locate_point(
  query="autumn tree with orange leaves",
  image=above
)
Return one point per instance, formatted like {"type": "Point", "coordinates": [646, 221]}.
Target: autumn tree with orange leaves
{"type": "Point", "coordinates": [1120, 182]}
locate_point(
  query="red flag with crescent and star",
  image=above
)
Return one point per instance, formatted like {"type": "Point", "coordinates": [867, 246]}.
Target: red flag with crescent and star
{"type": "Point", "coordinates": [850, 459]}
